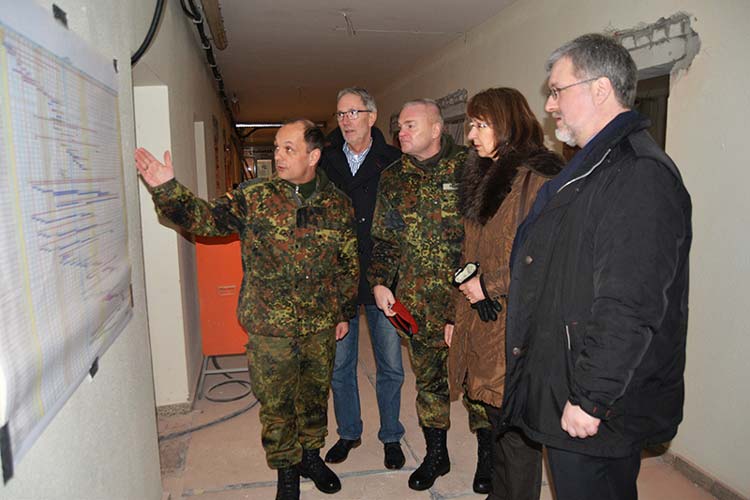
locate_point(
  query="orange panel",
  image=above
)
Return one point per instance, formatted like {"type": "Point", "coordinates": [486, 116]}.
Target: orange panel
{"type": "Point", "coordinates": [219, 280]}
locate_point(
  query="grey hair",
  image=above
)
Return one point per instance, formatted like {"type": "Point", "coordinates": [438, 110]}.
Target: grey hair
{"type": "Point", "coordinates": [595, 55]}
{"type": "Point", "coordinates": [430, 103]}
{"type": "Point", "coordinates": [367, 99]}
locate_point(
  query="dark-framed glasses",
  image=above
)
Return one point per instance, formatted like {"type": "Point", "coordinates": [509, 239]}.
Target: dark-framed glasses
{"type": "Point", "coordinates": [554, 92]}
{"type": "Point", "coordinates": [352, 114]}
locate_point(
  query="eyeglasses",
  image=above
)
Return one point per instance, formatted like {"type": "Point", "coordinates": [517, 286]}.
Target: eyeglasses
{"type": "Point", "coordinates": [352, 113]}
{"type": "Point", "coordinates": [554, 92]}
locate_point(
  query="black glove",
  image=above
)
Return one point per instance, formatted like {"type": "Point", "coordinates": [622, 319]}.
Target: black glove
{"type": "Point", "coordinates": [487, 309]}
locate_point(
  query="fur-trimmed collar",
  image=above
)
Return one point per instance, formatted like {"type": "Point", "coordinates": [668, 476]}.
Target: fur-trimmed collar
{"type": "Point", "coordinates": [485, 183]}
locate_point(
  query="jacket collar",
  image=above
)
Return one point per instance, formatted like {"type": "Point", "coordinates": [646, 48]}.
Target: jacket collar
{"type": "Point", "coordinates": [610, 136]}
{"type": "Point", "coordinates": [485, 183]}
{"type": "Point", "coordinates": [288, 188]}
{"type": "Point", "coordinates": [334, 151]}
{"type": "Point", "coordinates": [448, 149]}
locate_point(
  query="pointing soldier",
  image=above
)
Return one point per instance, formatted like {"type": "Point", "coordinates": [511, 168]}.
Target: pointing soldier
{"type": "Point", "coordinates": [299, 255]}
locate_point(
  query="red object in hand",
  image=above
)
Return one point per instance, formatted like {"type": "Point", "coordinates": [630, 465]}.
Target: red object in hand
{"type": "Point", "coordinates": [403, 320]}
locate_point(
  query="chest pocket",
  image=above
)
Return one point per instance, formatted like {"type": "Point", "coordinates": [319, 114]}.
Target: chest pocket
{"type": "Point", "coordinates": [310, 217]}
{"type": "Point", "coordinates": [319, 233]}
{"type": "Point", "coordinates": [394, 221]}
{"type": "Point", "coordinates": [267, 263]}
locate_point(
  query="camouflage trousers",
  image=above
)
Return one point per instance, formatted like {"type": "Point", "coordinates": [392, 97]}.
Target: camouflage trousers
{"type": "Point", "coordinates": [478, 418]}
{"type": "Point", "coordinates": [430, 365]}
{"type": "Point", "coordinates": [291, 377]}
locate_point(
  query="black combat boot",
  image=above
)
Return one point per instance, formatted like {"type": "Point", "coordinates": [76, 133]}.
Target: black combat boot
{"type": "Point", "coordinates": [483, 475]}
{"type": "Point", "coordinates": [287, 486]}
{"type": "Point", "coordinates": [436, 463]}
{"type": "Point", "coordinates": [313, 467]}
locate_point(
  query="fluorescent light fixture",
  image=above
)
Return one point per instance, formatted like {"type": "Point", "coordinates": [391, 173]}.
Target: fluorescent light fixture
{"type": "Point", "coordinates": [259, 125]}
{"type": "Point", "coordinates": [270, 125]}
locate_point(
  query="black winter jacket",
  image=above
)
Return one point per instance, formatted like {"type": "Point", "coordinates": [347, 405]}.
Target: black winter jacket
{"type": "Point", "coordinates": [598, 302]}
{"type": "Point", "coordinates": [362, 188]}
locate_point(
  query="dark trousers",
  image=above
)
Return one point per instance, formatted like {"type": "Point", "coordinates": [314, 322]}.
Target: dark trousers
{"type": "Point", "coordinates": [516, 463]}
{"type": "Point", "coordinates": [583, 477]}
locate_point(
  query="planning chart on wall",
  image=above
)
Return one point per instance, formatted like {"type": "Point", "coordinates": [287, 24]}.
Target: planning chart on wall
{"type": "Point", "coordinates": [64, 267]}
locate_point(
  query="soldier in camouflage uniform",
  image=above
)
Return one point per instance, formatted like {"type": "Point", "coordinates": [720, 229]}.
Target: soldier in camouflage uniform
{"type": "Point", "coordinates": [299, 257]}
{"type": "Point", "coordinates": [417, 234]}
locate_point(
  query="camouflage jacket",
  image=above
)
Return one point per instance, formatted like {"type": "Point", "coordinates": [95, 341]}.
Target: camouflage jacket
{"type": "Point", "coordinates": [417, 234]}
{"type": "Point", "coordinates": [299, 257]}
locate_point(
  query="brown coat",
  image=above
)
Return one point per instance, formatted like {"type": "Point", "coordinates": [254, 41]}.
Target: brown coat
{"type": "Point", "coordinates": [490, 202]}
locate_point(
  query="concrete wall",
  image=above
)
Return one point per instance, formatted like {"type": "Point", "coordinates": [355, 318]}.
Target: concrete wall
{"type": "Point", "coordinates": [178, 92]}
{"type": "Point", "coordinates": [103, 443]}
{"type": "Point", "coordinates": [166, 318]}
{"type": "Point", "coordinates": [706, 136]}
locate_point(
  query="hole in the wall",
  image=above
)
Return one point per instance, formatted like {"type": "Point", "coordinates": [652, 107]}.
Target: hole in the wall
{"type": "Point", "coordinates": [665, 47]}
{"type": "Point", "coordinates": [661, 51]}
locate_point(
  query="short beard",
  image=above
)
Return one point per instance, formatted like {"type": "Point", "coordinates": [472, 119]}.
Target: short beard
{"type": "Point", "coordinates": [565, 135]}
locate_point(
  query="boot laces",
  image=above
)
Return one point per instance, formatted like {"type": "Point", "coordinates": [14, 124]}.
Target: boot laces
{"type": "Point", "coordinates": [288, 482]}
{"type": "Point", "coordinates": [313, 464]}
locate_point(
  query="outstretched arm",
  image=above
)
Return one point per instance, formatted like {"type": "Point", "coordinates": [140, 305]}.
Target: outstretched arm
{"type": "Point", "coordinates": [152, 171]}
{"type": "Point", "coordinates": [174, 201]}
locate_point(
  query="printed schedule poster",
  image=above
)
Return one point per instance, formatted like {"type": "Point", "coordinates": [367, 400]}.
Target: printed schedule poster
{"type": "Point", "coordinates": [64, 266]}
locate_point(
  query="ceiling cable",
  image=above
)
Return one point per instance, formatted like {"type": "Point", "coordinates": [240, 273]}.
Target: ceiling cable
{"type": "Point", "coordinates": [192, 15]}
{"type": "Point", "coordinates": [197, 17]}
{"type": "Point", "coordinates": [150, 35]}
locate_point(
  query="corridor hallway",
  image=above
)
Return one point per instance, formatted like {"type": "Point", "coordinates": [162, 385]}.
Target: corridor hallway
{"type": "Point", "coordinates": [226, 462]}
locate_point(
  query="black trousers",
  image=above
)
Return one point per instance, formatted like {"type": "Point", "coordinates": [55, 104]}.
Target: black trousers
{"type": "Point", "coordinates": [516, 463]}
{"type": "Point", "coordinates": [583, 477]}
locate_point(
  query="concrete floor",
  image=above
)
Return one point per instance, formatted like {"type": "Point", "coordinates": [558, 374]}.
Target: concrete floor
{"type": "Point", "coordinates": [226, 461]}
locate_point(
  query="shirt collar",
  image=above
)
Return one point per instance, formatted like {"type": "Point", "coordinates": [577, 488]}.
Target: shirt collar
{"type": "Point", "coordinates": [357, 156]}
{"type": "Point", "coordinates": [355, 159]}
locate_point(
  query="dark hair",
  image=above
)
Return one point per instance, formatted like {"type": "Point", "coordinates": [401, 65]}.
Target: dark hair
{"type": "Point", "coordinates": [596, 55]}
{"type": "Point", "coordinates": [314, 137]}
{"type": "Point", "coordinates": [508, 113]}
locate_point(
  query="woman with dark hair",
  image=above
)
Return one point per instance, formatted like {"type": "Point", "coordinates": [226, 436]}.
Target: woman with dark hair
{"type": "Point", "coordinates": [500, 179]}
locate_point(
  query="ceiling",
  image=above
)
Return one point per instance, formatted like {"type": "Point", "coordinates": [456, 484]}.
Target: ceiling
{"type": "Point", "coordinates": [288, 58]}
